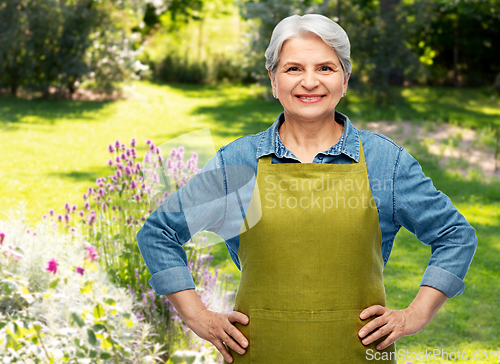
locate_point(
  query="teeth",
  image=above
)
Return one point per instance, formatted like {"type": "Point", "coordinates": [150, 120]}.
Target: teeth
{"type": "Point", "coordinates": [309, 98]}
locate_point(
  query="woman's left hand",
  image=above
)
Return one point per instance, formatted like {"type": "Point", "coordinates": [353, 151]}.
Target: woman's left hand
{"type": "Point", "coordinates": [399, 323]}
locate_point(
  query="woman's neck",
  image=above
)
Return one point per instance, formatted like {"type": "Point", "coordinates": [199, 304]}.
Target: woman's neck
{"type": "Point", "coordinates": [306, 139]}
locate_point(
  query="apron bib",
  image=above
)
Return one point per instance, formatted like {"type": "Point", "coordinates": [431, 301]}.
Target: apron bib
{"type": "Point", "coordinates": [309, 265]}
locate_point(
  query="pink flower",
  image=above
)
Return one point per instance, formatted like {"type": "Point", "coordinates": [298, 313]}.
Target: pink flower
{"type": "Point", "coordinates": [85, 196]}
{"type": "Point", "coordinates": [86, 205]}
{"type": "Point", "coordinates": [110, 162]}
{"type": "Point", "coordinates": [44, 216]}
{"type": "Point", "coordinates": [133, 142]}
{"type": "Point", "coordinates": [73, 208]}
{"type": "Point", "coordinates": [59, 217]}
{"type": "Point", "coordinates": [51, 212]}
{"type": "Point", "coordinates": [66, 218]}
{"type": "Point", "coordinates": [110, 148]}
{"type": "Point", "coordinates": [2, 237]}
{"type": "Point", "coordinates": [52, 266]}
{"type": "Point", "coordinates": [91, 253]}
{"type": "Point", "coordinates": [137, 197]}
{"type": "Point", "coordinates": [79, 270]}
{"type": "Point", "coordinates": [148, 141]}
{"type": "Point", "coordinates": [81, 213]}
{"type": "Point", "coordinates": [117, 144]}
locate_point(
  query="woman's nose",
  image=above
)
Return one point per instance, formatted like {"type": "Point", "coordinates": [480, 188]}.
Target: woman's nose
{"type": "Point", "coordinates": [309, 80]}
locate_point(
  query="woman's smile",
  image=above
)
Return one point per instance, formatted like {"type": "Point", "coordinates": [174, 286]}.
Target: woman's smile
{"type": "Point", "coordinates": [309, 99]}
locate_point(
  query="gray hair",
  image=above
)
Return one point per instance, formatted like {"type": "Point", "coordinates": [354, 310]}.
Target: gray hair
{"type": "Point", "coordinates": [298, 26]}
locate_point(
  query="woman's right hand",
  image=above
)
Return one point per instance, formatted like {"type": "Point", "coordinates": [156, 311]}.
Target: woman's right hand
{"type": "Point", "coordinates": [219, 330]}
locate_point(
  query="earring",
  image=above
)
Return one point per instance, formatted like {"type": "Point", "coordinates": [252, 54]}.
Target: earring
{"type": "Point", "coordinates": [274, 95]}
{"type": "Point", "coordinates": [343, 94]}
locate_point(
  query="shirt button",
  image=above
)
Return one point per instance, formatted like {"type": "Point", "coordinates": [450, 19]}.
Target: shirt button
{"type": "Point", "coordinates": [320, 157]}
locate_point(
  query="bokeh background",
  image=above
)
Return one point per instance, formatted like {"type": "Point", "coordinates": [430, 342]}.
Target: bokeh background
{"type": "Point", "coordinates": [88, 88]}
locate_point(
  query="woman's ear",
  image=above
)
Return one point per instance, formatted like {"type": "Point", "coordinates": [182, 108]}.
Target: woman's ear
{"type": "Point", "coordinates": [346, 81]}
{"type": "Point", "coordinates": [273, 82]}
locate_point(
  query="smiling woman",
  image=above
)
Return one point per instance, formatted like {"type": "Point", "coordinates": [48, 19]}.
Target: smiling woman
{"type": "Point", "coordinates": [311, 258]}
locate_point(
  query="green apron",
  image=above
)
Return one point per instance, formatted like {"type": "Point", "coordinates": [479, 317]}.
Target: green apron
{"type": "Point", "coordinates": [311, 261]}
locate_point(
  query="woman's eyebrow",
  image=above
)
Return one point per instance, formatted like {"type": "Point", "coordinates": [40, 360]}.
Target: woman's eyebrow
{"type": "Point", "coordinates": [293, 63]}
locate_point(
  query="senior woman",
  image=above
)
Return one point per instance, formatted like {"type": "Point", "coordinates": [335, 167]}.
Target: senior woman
{"type": "Point", "coordinates": [313, 229]}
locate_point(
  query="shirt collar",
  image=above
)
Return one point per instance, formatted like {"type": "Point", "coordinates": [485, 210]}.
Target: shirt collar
{"type": "Point", "coordinates": [348, 144]}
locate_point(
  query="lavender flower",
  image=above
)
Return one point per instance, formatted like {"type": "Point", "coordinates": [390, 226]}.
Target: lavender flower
{"type": "Point", "coordinates": [51, 212]}
{"type": "Point", "coordinates": [110, 162]}
{"type": "Point", "coordinates": [79, 270]}
{"type": "Point", "coordinates": [2, 237]}
{"type": "Point", "coordinates": [133, 142]}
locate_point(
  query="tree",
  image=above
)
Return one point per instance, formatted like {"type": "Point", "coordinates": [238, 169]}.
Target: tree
{"type": "Point", "coordinates": [60, 43]}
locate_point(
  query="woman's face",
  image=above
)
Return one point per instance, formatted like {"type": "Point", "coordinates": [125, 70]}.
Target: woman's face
{"type": "Point", "coordinates": [308, 80]}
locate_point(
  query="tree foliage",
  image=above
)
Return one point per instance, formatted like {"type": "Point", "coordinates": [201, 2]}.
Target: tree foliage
{"type": "Point", "coordinates": [60, 43]}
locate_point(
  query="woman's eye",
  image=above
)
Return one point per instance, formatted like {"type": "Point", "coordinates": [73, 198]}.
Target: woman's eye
{"type": "Point", "coordinates": [326, 68]}
{"type": "Point", "coordinates": [293, 69]}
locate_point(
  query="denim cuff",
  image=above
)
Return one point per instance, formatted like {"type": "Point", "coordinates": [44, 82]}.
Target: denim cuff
{"type": "Point", "coordinates": [172, 280]}
{"type": "Point", "coordinates": [448, 283]}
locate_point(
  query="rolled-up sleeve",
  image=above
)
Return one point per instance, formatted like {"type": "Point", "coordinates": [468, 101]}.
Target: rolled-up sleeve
{"type": "Point", "coordinates": [198, 205]}
{"type": "Point", "coordinates": [430, 215]}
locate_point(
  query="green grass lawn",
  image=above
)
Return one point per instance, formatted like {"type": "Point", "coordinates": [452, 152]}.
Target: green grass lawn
{"type": "Point", "coordinates": [52, 151]}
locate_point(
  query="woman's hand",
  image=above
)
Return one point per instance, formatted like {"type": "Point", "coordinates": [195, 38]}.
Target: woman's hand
{"type": "Point", "coordinates": [219, 330]}
{"type": "Point", "coordinates": [399, 323]}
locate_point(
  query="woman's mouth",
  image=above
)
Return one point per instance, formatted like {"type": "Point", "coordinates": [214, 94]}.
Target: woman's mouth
{"type": "Point", "coordinates": [310, 98]}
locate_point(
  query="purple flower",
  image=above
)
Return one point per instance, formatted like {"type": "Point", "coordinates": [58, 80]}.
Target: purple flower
{"type": "Point", "coordinates": [110, 162]}
{"type": "Point", "coordinates": [81, 213]}
{"type": "Point", "coordinates": [85, 196]}
{"type": "Point", "coordinates": [123, 156]}
{"type": "Point", "coordinates": [137, 197]}
{"type": "Point", "coordinates": [44, 217]}
{"type": "Point", "coordinates": [2, 237]}
{"type": "Point", "coordinates": [79, 270]}
{"type": "Point", "coordinates": [118, 173]}
{"type": "Point", "coordinates": [110, 148]}
{"type": "Point", "coordinates": [133, 185]}
{"type": "Point", "coordinates": [86, 205]}
{"type": "Point", "coordinates": [91, 220]}
{"type": "Point", "coordinates": [104, 206]}
{"type": "Point", "coordinates": [51, 212]}
{"type": "Point", "coordinates": [133, 142]}
{"type": "Point", "coordinates": [148, 141]}
{"type": "Point", "coordinates": [91, 253]}
{"type": "Point", "coordinates": [66, 218]}
{"type": "Point", "coordinates": [101, 192]}
{"type": "Point", "coordinates": [117, 159]}
{"type": "Point", "coordinates": [52, 266]}
{"type": "Point", "coordinates": [127, 170]}
{"type": "Point", "coordinates": [59, 217]}
{"type": "Point", "coordinates": [117, 144]}
{"type": "Point", "coordinates": [91, 191]}
{"type": "Point", "coordinates": [124, 147]}
{"type": "Point", "coordinates": [66, 206]}
{"type": "Point", "coordinates": [73, 208]}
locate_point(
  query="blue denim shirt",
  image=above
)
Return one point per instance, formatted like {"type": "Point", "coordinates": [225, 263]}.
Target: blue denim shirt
{"type": "Point", "coordinates": [217, 198]}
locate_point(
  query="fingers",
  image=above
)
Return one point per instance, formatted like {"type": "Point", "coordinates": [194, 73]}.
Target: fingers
{"type": "Point", "coordinates": [390, 323]}
{"type": "Point", "coordinates": [233, 331]}
{"type": "Point", "coordinates": [231, 337]}
{"type": "Point", "coordinates": [372, 310]}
